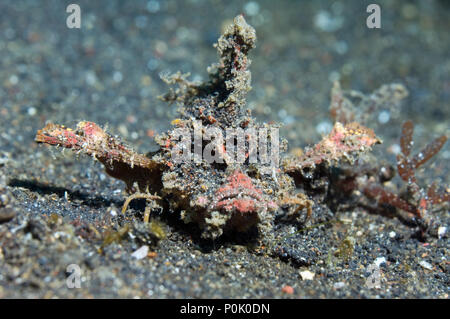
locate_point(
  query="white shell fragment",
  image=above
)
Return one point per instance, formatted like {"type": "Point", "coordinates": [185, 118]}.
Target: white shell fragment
{"type": "Point", "coordinates": [141, 252]}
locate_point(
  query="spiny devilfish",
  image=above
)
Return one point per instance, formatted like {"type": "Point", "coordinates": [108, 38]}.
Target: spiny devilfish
{"type": "Point", "coordinates": [224, 195]}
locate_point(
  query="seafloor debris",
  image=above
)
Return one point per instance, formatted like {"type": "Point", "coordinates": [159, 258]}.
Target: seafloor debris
{"type": "Point", "coordinates": [416, 200]}
{"type": "Point", "coordinates": [347, 106]}
{"type": "Point", "coordinates": [227, 193]}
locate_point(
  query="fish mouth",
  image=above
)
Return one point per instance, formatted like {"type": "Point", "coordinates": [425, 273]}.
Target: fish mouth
{"type": "Point", "coordinates": [238, 204]}
{"type": "Point", "coordinates": [239, 198]}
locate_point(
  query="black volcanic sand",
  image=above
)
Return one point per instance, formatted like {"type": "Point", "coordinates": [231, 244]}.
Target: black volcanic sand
{"type": "Point", "coordinates": [57, 209]}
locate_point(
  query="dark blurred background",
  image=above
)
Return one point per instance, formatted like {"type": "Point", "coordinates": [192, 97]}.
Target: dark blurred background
{"type": "Point", "coordinates": [108, 71]}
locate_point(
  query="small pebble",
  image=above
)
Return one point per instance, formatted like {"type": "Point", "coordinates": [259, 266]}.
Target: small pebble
{"type": "Point", "coordinates": [31, 111]}
{"type": "Point", "coordinates": [441, 231]}
{"type": "Point", "coordinates": [6, 214]}
{"type": "Point", "coordinates": [117, 77]}
{"type": "Point", "coordinates": [324, 127]}
{"type": "Point", "coordinates": [251, 8]}
{"type": "Point", "coordinates": [91, 78]}
{"type": "Point", "coordinates": [307, 275]}
{"type": "Point", "coordinates": [13, 79]}
{"type": "Point", "coordinates": [339, 285]}
{"type": "Point", "coordinates": [380, 260]}
{"type": "Point", "coordinates": [327, 22]}
{"type": "Point", "coordinates": [384, 117]}
{"type": "Point", "coordinates": [288, 290]}
{"type": "Point", "coordinates": [141, 252]}
{"type": "Point", "coordinates": [426, 265]}
{"type": "Point", "coordinates": [153, 6]}
{"type": "Point", "coordinates": [394, 149]}
{"type": "Point", "coordinates": [341, 47]}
